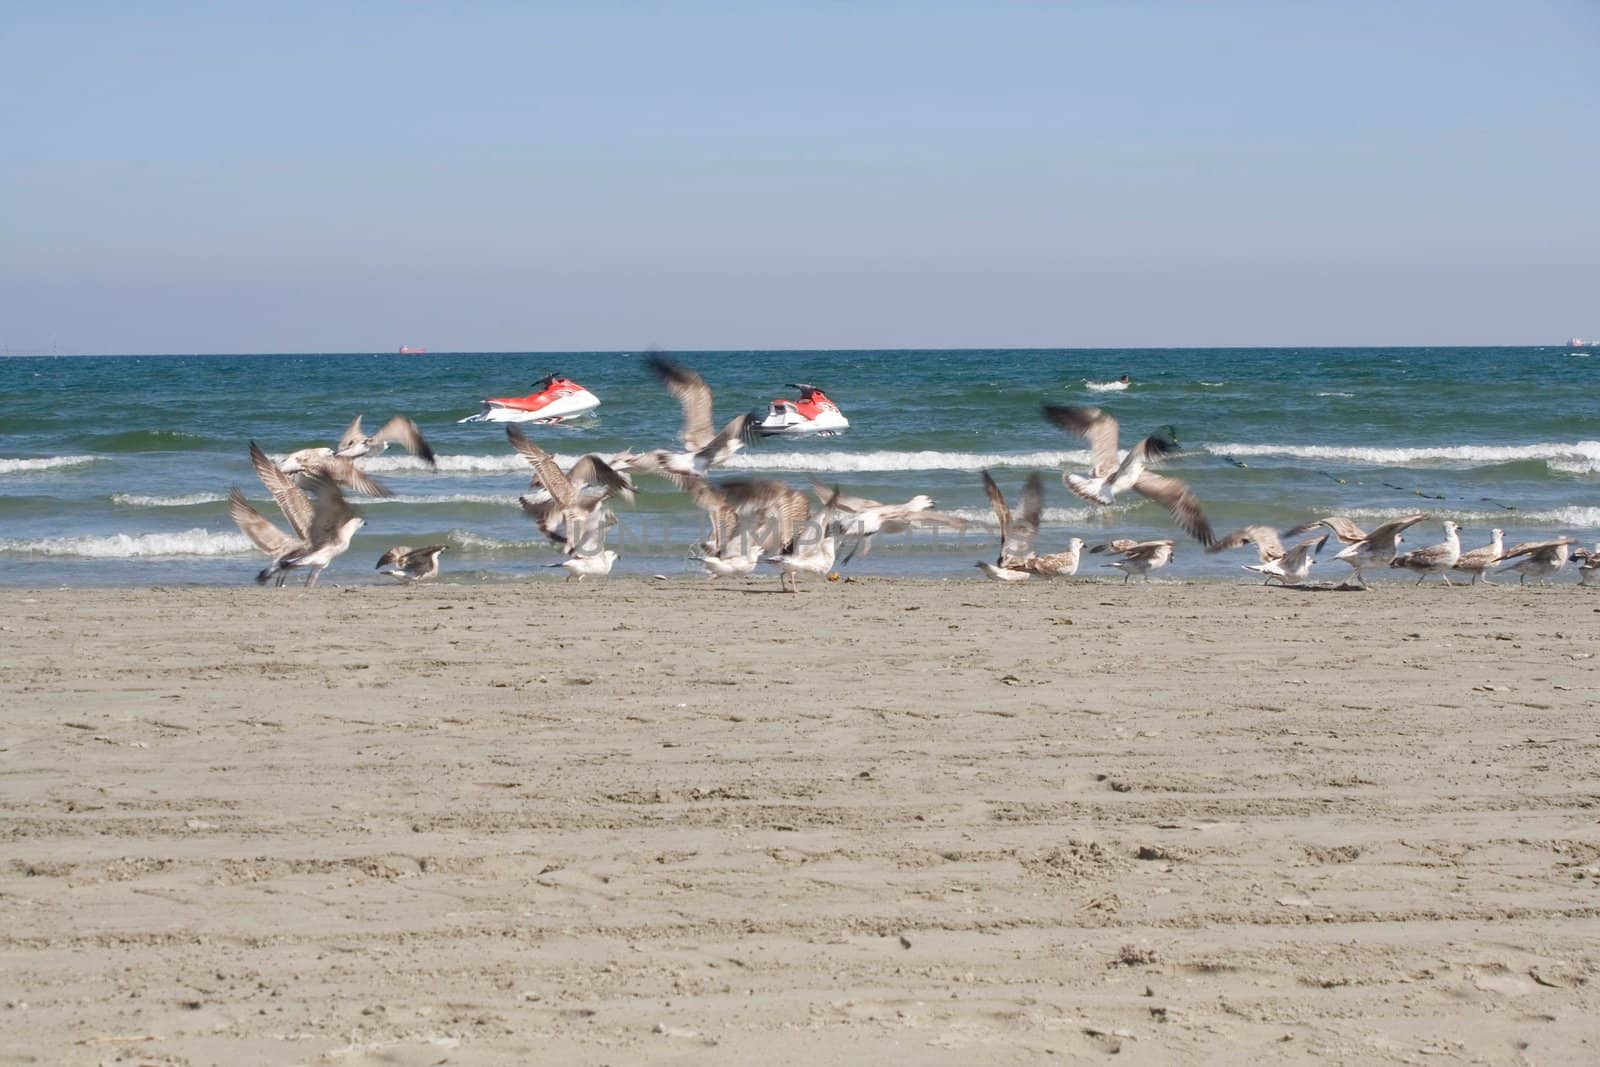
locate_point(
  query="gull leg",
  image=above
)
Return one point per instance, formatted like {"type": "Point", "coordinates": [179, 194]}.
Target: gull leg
{"type": "Point", "coordinates": [1422, 579]}
{"type": "Point", "coordinates": [316, 572]}
{"type": "Point", "coordinates": [1447, 580]}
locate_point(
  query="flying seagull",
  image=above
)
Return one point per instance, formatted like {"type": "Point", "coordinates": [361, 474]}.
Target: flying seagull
{"type": "Point", "coordinates": [703, 447]}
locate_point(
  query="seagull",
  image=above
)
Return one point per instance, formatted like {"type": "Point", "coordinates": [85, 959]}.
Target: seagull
{"type": "Point", "coordinates": [867, 518]}
{"type": "Point", "coordinates": [1016, 532]}
{"type": "Point", "coordinates": [581, 567]}
{"type": "Point", "coordinates": [333, 524]}
{"type": "Point", "coordinates": [704, 449]}
{"type": "Point", "coordinates": [1538, 558]}
{"type": "Point", "coordinates": [1109, 476]}
{"type": "Point", "coordinates": [310, 462]}
{"type": "Point", "coordinates": [1364, 550]}
{"type": "Point", "coordinates": [1479, 560]}
{"type": "Point", "coordinates": [1435, 559]}
{"type": "Point", "coordinates": [262, 531]}
{"type": "Point", "coordinates": [1138, 557]}
{"type": "Point", "coordinates": [1590, 559]}
{"type": "Point", "coordinates": [749, 517]}
{"type": "Point", "coordinates": [568, 507]}
{"type": "Point", "coordinates": [808, 554]}
{"type": "Point", "coordinates": [1290, 568]}
{"type": "Point", "coordinates": [412, 564]}
{"type": "Point", "coordinates": [398, 430]}
{"type": "Point", "coordinates": [1055, 564]}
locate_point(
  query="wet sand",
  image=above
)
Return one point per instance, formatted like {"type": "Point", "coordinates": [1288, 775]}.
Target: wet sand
{"type": "Point", "coordinates": [912, 822]}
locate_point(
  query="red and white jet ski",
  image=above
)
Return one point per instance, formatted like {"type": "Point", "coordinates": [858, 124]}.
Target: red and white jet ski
{"type": "Point", "coordinates": [557, 399]}
{"type": "Point", "coordinates": [813, 413]}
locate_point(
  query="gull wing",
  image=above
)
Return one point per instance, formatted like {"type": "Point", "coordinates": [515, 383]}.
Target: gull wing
{"type": "Point", "coordinates": [398, 555]}
{"type": "Point", "coordinates": [1174, 495]}
{"type": "Point", "coordinates": [344, 472]}
{"type": "Point", "coordinates": [692, 394]}
{"type": "Point", "coordinates": [842, 502]}
{"type": "Point", "coordinates": [256, 526]}
{"type": "Point", "coordinates": [329, 510]}
{"type": "Point", "coordinates": [351, 437]}
{"type": "Point", "coordinates": [1386, 533]}
{"type": "Point", "coordinates": [1002, 510]}
{"type": "Point", "coordinates": [1030, 508]}
{"type": "Point", "coordinates": [1345, 530]}
{"type": "Point", "coordinates": [1118, 546]}
{"type": "Point", "coordinates": [1094, 426]}
{"type": "Point", "coordinates": [290, 498]}
{"type": "Point", "coordinates": [590, 469]}
{"type": "Point", "coordinates": [1528, 548]}
{"type": "Point", "coordinates": [1265, 538]}
{"type": "Point", "coordinates": [1144, 550]}
{"type": "Point", "coordinates": [545, 467]}
{"type": "Point", "coordinates": [402, 431]}
{"type": "Point", "coordinates": [740, 428]}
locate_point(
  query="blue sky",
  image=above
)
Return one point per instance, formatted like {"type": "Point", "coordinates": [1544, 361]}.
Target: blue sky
{"type": "Point", "coordinates": [479, 176]}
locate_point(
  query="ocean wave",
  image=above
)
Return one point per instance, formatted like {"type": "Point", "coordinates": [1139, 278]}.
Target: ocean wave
{"type": "Point", "coordinates": [135, 500]}
{"type": "Point", "coordinates": [508, 499]}
{"type": "Point", "coordinates": [1336, 394]}
{"type": "Point", "coordinates": [850, 462]}
{"type": "Point", "coordinates": [47, 463]}
{"type": "Point", "coordinates": [1060, 516]}
{"type": "Point", "coordinates": [146, 441]}
{"type": "Point", "coordinates": [1212, 385]}
{"type": "Point", "coordinates": [1104, 387]}
{"type": "Point", "coordinates": [1482, 519]}
{"type": "Point", "coordinates": [196, 542]}
{"type": "Point", "coordinates": [1573, 457]}
{"type": "Point", "coordinates": [500, 463]}
{"type": "Point", "coordinates": [479, 543]}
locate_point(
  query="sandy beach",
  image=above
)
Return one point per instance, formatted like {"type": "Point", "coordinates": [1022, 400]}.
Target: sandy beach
{"type": "Point", "coordinates": [932, 822]}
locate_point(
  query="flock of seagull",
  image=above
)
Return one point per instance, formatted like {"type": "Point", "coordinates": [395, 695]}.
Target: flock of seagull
{"type": "Point", "coordinates": [753, 521]}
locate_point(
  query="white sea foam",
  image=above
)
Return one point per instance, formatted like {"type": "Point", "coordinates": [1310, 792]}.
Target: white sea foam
{"type": "Point", "coordinates": [1483, 519]}
{"type": "Point", "coordinates": [1104, 387]}
{"type": "Point", "coordinates": [135, 500]}
{"type": "Point", "coordinates": [509, 499]}
{"type": "Point", "coordinates": [468, 539]}
{"type": "Point", "coordinates": [1063, 516]}
{"type": "Point", "coordinates": [499, 463]}
{"type": "Point", "coordinates": [1573, 456]}
{"type": "Point", "coordinates": [848, 462]}
{"type": "Point", "coordinates": [1336, 394]}
{"type": "Point", "coordinates": [48, 463]}
{"type": "Point", "coordinates": [1213, 385]}
{"type": "Point", "coordinates": [196, 542]}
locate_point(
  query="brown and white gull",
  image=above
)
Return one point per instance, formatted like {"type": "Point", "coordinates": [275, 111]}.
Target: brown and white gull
{"type": "Point", "coordinates": [1138, 557]}
{"type": "Point", "coordinates": [1479, 560]}
{"type": "Point", "coordinates": [704, 448]}
{"type": "Point", "coordinates": [812, 550]}
{"type": "Point", "coordinates": [333, 523]}
{"type": "Point", "coordinates": [1434, 559]}
{"type": "Point", "coordinates": [1589, 560]}
{"type": "Point", "coordinates": [411, 564]}
{"type": "Point", "coordinates": [1363, 550]}
{"type": "Point", "coordinates": [1110, 475]}
{"type": "Point", "coordinates": [1537, 559]}
{"type": "Point", "coordinates": [1017, 531]}
{"type": "Point", "coordinates": [398, 430]}
{"type": "Point", "coordinates": [568, 506]}
{"type": "Point", "coordinates": [749, 518]}
{"type": "Point", "coordinates": [865, 518]}
{"type": "Point", "coordinates": [1289, 567]}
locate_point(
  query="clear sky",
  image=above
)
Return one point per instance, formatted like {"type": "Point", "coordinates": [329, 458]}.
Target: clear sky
{"type": "Point", "coordinates": [331, 176]}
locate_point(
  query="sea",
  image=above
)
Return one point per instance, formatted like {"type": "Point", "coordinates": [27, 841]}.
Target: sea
{"type": "Point", "coordinates": [115, 470]}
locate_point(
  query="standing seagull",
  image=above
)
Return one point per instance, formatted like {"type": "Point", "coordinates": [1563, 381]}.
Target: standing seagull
{"type": "Point", "coordinates": [1435, 559]}
{"type": "Point", "coordinates": [411, 564]}
{"type": "Point", "coordinates": [808, 554]}
{"type": "Point", "coordinates": [1364, 550]}
{"type": "Point", "coordinates": [581, 567]}
{"type": "Point", "coordinates": [1479, 560]}
{"type": "Point", "coordinates": [1140, 557]}
{"type": "Point", "coordinates": [1109, 476]}
{"type": "Point", "coordinates": [333, 524]}
{"type": "Point", "coordinates": [1540, 559]}
{"type": "Point", "coordinates": [1590, 558]}
{"type": "Point", "coordinates": [704, 448]}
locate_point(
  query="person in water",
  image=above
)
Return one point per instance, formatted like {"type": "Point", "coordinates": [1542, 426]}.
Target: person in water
{"type": "Point", "coordinates": [1125, 380]}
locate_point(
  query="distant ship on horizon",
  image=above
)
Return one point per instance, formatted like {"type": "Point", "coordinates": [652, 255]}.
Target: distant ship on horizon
{"type": "Point", "coordinates": [407, 350]}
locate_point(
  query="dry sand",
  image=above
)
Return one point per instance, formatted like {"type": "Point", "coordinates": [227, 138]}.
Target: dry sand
{"type": "Point", "coordinates": [915, 822]}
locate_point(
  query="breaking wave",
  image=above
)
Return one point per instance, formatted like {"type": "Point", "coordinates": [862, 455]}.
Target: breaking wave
{"type": "Point", "coordinates": [1574, 457]}
{"type": "Point", "coordinates": [24, 466]}
{"type": "Point", "coordinates": [898, 461]}
{"type": "Point", "coordinates": [196, 542]}
{"type": "Point", "coordinates": [134, 500]}
{"type": "Point", "coordinates": [1482, 519]}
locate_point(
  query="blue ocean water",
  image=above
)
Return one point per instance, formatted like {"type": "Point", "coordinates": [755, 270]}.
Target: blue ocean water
{"type": "Point", "coordinates": [115, 470]}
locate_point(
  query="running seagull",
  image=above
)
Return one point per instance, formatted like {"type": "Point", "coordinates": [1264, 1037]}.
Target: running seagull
{"type": "Point", "coordinates": [704, 448]}
{"type": "Point", "coordinates": [1479, 560]}
{"type": "Point", "coordinates": [568, 507]}
{"type": "Point", "coordinates": [1363, 550]}
{"type": "Point", "coordinates": [749, 518]}
{"type": "Point", "coordinates": [1016, 532]}
{"type": "Point", "coordinates": [1539, 559]}
{"type": "Point", "coordinates": [1435, 559]}
{"type": "Point", "coordinates": [1590, 558]}
{"type": "Point", "coordinates": [333, 524]}
{"type": "Point", "coordinates": [1109, 476]}
{"type": "Point", "coordinates": [810, 552]}
{"type": "Point", "coordinates": [1289, 568]}
{"type": "Point", "coordinates": [581, 567]}
{"type": "Point", "coordinates": [411, 564]}
{"type": "Point", "coordinates": [1138, 557]}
